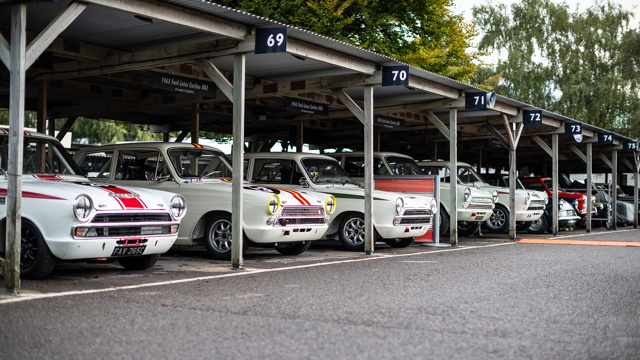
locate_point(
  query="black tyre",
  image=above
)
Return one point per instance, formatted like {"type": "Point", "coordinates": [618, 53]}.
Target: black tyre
{"type": "Point", "coordinates": [499, 220]}
{"type": "Point", "coordinates": [139, 262]}
{"type": "Point", "coordinates": [539, 226]}
{"type": "Point", "coordinates": [523, 226]}
{"type": "Point", "coordinates": [217, 238]}
{"type": "Point", "coordinates": [467, 228]}
{"type": "Point", "coordinates": [36, 260]}
{"type": "Point", "coordinates": [351, 232]}
{"type": "Point", "coordinates": [295, 248]}
{"type": "Point", "coordinates": [444, 221]}
{"type": "Point", "coordinates": [400, 242]}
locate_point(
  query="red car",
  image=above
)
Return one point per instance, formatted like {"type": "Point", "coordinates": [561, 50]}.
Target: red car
{"type": "Point", "coordinates": [579, 200]}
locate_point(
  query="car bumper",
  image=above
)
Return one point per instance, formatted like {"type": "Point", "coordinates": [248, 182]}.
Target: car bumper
{"type": "Point", "coordinates": [100, 248]}
{"type": "Point", "coordinates": [479, 215]}
{"type": "Point", "coordinates": [402, 231]}
{"type": "Point", "coordinates": [529, 215]}
{"type": "Point", "coordinates": [278, 234]}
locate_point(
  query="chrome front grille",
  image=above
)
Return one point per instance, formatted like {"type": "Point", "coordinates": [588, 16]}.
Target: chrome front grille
{"type": "Point", "coordinates": [536, 205]}
{"type": "Point", "coordinates": [301, 215]}
{"type": "Point", "coordinates": [417, 212]}
{"type": "Point", "coordinates": [120, 218]}
{"type": "Point", "coordinates": [126, 225]}
{"type": "Point", "coordinates": [415, 220]}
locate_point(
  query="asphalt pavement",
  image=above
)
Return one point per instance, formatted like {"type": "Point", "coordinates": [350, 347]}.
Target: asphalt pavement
{"type": "Point", "coordinates": [488, 298]}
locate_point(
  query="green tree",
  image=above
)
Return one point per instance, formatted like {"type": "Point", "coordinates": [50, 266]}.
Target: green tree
{"type": "Point", "coordinates": [109, 132]}
{"type": "Point", "coordinates": [582, 64]}
{"type": "Point", "coordinates": [423, 33]}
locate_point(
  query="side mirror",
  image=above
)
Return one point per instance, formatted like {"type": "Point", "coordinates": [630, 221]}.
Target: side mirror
{"type": "Point", "coordinates": [303, 182]}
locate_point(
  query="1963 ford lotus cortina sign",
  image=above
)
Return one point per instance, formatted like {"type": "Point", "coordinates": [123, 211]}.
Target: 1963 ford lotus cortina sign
{"type": "Point", "coordinates": [283, 218]}
{"type": "Point", "coordinates": [67, 217]}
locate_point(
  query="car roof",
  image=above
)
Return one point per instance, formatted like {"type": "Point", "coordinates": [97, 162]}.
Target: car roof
{"type": "Point", "coordinates": [147, 144]}
{"type": "Point", "coordinates": [294, 155]}
{"type": "Point", "coordinates": [441, 162]}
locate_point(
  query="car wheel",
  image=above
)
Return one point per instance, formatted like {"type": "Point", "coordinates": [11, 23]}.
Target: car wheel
{"type": "Point", "coordinates": [523, 226]}
{"type": "Point", "coordinates": [351, 232]}
{"type": "Point", "coordinates": [444, 222]}
{"type": "Point", "coordinates": [295, 248]}
{"type": "Point", "coordinates": [539, 226]}
{"type": "Point", "coordinates": [218, 238]}
{"type": "Point", "coordinates": [467, 228]}
{"type": "Point", "coordinates": [400, 242]}
{"type": "Point", "coordinates": [36, 260]}
{"type": "Point", "coordinates": [139, 262]}
{"type": "Point", "coordinates": [499, 220]}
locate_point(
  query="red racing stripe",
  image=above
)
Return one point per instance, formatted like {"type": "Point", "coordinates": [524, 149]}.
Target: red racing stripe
{"type": "Point", "coordinates": [32, 195]}
{"type": "Point", "coordinates": [295, 194]}
{"type": "Point", "coordinates": [127, 203]}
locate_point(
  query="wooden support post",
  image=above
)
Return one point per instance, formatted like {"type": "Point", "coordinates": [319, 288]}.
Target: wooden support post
{"type": "Point", "coordinates": [299, 136]}
{"type": "Point", "coordinates": [513, 177]}
{"type": "Point", "coordinates": [369, 240]}
{"type": "Point", "coordinates": [589, 183]}
{"type": "Point", "coordinates": [554, 190]}
{"type": "Point", "coordinates": [41, 125]}
{"type": "Point", "coordinates": [636, 162]}
{"type": "Point", "coordinates": [453, 159]}
{"type": "Point", "coordinates": [16, 138]}
{"type": "Point", "coordinates": [614, 189]}
{"type": "Point", "coordinates": [66, 127]}
{"type": "Point", "coordinates": [239, 68]}
{"type": "Point", "coordinates": [195, 123]}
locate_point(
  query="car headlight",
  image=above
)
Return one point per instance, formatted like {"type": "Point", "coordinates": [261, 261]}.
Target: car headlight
{"type": "Point", "coordinates": [546, 199]}
{"type": "Point", "coordinates": [434, 206]}
{"type": "Point", "coordinates": [584, 198]}
{"type": "Point", "coordinates": [399, 206]}
{"type": "Point", "coordinates": [527, 199]}
{"type": "Point", "coordinates": [178, 206]}
{"type": "Point", "coordinates": [330, 204]}
{"type": "Point", "coordinates": [467, 194]}
{"type": "Point", "coordinates": [82, 207]}
{"type": "Point", "coordinates": [495, 196]}
{"type": "Point", "coordinates": [273, 204]}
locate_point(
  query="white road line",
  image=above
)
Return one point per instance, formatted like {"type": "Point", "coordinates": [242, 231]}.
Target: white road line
{"type": "Point", "coordinates": [25, 297]}
{"type": "Point", "coordinates": [591, 234]}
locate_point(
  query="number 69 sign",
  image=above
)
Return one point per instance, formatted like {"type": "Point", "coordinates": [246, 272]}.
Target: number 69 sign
{"type": "Point", "coordinates": [271, 40]}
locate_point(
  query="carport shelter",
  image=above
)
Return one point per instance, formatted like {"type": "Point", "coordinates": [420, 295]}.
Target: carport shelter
{"type": "Point", "coordinates": [191, 66]}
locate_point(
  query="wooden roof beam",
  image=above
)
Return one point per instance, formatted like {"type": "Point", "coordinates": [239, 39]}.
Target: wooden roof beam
{"type": "Point", "coordinates": [178, 15]}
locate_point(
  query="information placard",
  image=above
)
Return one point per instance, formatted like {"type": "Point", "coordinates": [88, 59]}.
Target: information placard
{"type": "Point", "coordinates": [605, 138]}
{"type": "Point", "coordinates": [395, 75]}
{"type": "Point", "coordinates": [271, 40]}
{"type": "Point", "coordinates": [532, 118]}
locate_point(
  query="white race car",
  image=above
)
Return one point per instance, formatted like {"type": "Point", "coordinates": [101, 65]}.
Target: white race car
{"type": "Point", "coordinates": [67, 217]}
{"type": "Point", "coordinates": [397, 218]}
{"type": "Point", "coordinates": [286, 219]}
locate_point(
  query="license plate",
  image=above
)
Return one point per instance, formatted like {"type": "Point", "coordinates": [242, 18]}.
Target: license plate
{"type": "Point", "coordinates": [479, 217]}
{"type": "Point", "coordinates": [128, 250]}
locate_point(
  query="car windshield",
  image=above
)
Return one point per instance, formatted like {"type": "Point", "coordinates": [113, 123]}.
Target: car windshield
{"type": "Point", "coordinates": [40, 156]}
{"type": "Point", "coordinates": [401, 165]}
{"type": "Point", "coordinates": [467, 175]}
{"type": "Point", "coordinates": [549, 184]}
{"type": "Point", "coordinates": [326, 171]}
{"type": "Point", "coordinates": [199, 163]}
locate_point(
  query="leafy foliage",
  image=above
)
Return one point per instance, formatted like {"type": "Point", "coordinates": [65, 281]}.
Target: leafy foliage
{"type": "Point", "coordinates": [584, 65]}
{"type": "Point", "coordinates": [423, 33]}
{"type": "Point", "coordinates": [104, 132]}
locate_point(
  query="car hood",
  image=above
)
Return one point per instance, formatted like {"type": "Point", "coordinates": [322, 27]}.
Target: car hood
{"type": "Point", "coordinates": [287, 196]}
{"type": "Point", "coordinates": [105, 197]}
